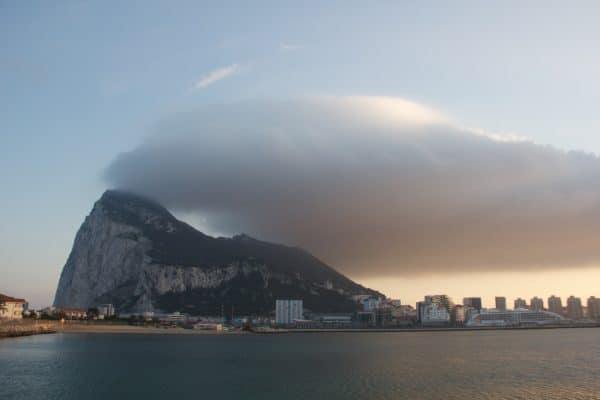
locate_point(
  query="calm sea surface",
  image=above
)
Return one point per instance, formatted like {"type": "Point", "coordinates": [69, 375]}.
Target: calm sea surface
{"type": "Point", "coordinates": [542, 364]}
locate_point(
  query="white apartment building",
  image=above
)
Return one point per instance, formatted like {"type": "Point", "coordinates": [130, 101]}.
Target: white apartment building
{"type": "Point", "coordinates": [434, 314]}
{"type": "Point", "coordinates": [287, 311]}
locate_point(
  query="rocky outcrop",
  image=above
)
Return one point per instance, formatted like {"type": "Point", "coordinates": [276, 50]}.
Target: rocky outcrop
{"type": "Point", "coordinates": [133, 253]}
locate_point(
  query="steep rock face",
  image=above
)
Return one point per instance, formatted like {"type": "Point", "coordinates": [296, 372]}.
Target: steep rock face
{"type": "Point", "coordinates": [133, 253]}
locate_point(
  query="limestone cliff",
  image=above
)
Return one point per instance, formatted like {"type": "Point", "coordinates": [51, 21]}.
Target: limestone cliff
{"type": "Point", "coordinates": [132, 252]}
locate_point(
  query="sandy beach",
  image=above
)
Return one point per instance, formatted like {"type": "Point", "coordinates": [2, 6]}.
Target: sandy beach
{"type": "Point", "coordinates": [29, 327]}
{"type": "Point", "coordinates": [78, 327]}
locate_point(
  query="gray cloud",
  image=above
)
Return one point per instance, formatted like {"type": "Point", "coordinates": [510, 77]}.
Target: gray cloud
{"type": "Point", "coordinates": [374, 186]}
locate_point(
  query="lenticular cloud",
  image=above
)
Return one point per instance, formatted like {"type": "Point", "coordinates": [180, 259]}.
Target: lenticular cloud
{"type": "Point", "coordinates": [374, 186]}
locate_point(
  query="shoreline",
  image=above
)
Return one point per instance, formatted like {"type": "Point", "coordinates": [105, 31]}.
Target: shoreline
{"type": "Point", "coordinates": [133, 329]}
{"type": "Point", "coordinates": [416, 330]}
{"type": "Point", "coordinates": [29, 329]}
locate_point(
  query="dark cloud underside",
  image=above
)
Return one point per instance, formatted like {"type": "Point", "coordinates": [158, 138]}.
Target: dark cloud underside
{"type": "Point", "coordinates": [373, 186]}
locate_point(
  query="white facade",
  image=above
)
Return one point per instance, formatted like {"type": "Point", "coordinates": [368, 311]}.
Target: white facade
{"type": "Point", "coordinates": [434, 314]}
{"type": "Point", "coordinates": [106, 310]}
{"type": "Point", "coordinates": [11, 308]}
{"type": "Point", "coordinates": [518, 317]}
{"type": "Point", "coordinates": [176, 317]}
{"type": "Point", "coordinates": [370, 304]}
{"type": "Point", "coordinates": [286, 311]}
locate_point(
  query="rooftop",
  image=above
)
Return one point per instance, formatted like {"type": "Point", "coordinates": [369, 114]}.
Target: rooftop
{"type": "Point", "coordinates": [8, 299]}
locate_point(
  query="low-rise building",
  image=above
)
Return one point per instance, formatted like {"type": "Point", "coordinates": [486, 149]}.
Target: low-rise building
{"type": "Point", "coordinates": [333, 318]}
{"type": "Point", "coordinates": [11, 307]}
{"type": "Point", "coordinates": [72, 313]}
{"type": "Point", "coordinates": [175, 317]}
{"type": "Point", "coordinates": [208, 326]}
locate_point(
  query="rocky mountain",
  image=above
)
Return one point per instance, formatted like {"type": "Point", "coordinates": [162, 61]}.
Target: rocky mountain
{"type": "Point", "coordinates": [130, 251]}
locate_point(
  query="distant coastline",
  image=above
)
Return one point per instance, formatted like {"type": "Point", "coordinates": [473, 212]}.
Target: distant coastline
{"type": "Point", "coordinates": [69, 328]}
{"type": "Point", "coordinates": [440, 329]}
{"type": "Point", "coordinates": [30, 328]}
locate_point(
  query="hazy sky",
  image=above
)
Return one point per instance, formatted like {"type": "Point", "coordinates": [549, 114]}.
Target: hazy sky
{"type": "Point", "coordinates": [435, 93]}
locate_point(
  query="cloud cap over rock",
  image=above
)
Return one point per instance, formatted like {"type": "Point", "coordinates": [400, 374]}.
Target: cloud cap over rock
{"type": "Point", "coordinates": [375, 186]}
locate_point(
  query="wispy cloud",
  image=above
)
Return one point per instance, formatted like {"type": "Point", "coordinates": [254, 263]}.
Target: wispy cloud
{"type": "Point", "coordinates": [216, 75]}
{"type": "Point", "coordinates": [289, 46]}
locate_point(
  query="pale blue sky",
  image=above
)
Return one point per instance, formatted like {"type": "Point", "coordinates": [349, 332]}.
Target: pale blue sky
{"type": "Point", "coordinates": [81, 82]}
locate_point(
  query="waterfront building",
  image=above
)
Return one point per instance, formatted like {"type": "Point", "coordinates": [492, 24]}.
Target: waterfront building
{"type": "Point", "coordinates": [11, 307]}
{"type": "Point", "coordinates": [474, 302]}
{"type": "Point", "coordinates": [520, 303]}
{"type": "Point", "coordinates": [395, 302]}
{"type": "Point", "coordinates": [359, 298]}
{"type": "Point", "coordinates": [516, 317]}
{"type": "Point", "coordinates": [208, 326]}
{"type": "Point", "coordinates": [148, 315]}
{"type": "Point", "coordinates": [106, 310]}
{"type": "Point", "coordinates": [383, 317]}
{"type": "Point", "coordinates": [434, 314]}
{"type": "Point", "coordinates": [286, 311]}
{"type": "Point", "coordinates": [555, 304]}
{"type": "Point", "coordinates": [335, 321]}
{"type": "Point", "coordinates": [460, 314]}
{"type": "Point", "coordinates": [442, 301]}
{"type": "Point", "coordinates": [501, 303]}
{"type": "Point", "coordinates": [404, 315]}
{"type": "Point", "coordinates": [370, 304]}
{"type": "Point", "coordinates": [593, 308]}
{"type": "Point", "coordinates": [73, 313]}
{"type": "Point", "coordinates": [174, 317]}
{"type": "Point", "coordinates": [366, 318]}
{"type": "Point", "coordinates": [574, 308]}
{"type": "Point", "coordinates": [536, 304]}
{"type": "Point", "coordinates": [470, 312]}
{"type": "Point", "coordinates": [404, 311]}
